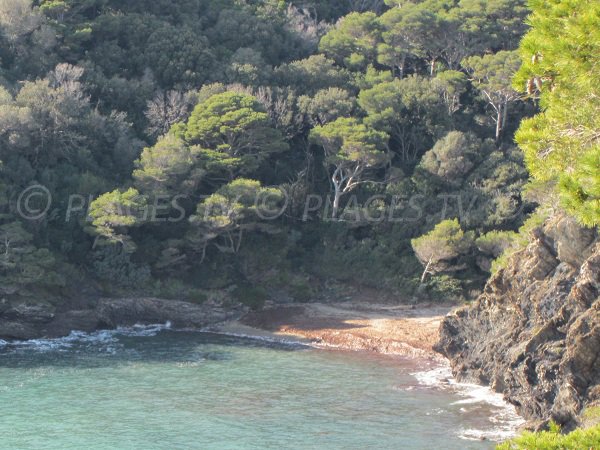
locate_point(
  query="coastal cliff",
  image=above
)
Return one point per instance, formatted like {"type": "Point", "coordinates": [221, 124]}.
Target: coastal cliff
{"type": "Point", "coordinates": [534, 333]}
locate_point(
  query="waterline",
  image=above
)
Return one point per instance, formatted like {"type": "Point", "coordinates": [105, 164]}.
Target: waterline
{"type": "Point", "coordinates": [154, 388]}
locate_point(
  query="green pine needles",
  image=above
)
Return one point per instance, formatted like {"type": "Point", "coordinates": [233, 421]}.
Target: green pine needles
{"type": "Point", "coordinates": [561, 55]}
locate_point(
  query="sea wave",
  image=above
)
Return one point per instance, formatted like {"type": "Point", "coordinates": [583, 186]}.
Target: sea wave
{"type": "Point", "coordinates": [109, 339]}
{"type": "Point", "coordinates": [504, 420]}
{"type": "Point", "coordinates": [103, 337]}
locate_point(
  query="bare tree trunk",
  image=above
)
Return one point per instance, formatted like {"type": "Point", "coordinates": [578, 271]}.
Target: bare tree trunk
{"type": "Point", "coordinates": [426, 271]}
{"type": "Point", "coordinates": [504, 115]}
{"type": "Point", "coordinates": [336, 202]}
{"type": "Point", "coordinates": [498, 123]}
{"type": "Point", "coordinates": [203, 254]}
{"type": "Point", "coordinates": [239, 242]}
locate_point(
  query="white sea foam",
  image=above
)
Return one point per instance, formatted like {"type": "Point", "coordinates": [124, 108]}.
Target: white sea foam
{"type": "Point", "coordinates": [436, 377]}
{"type": "Point", "coordinates": [143, 330]}
{"type": "Point", "coordinates": [108, 338]}
{"type": "Point", "coordinates": [105, 337]}
{"type": "Point", "coordinates": [504, 420]}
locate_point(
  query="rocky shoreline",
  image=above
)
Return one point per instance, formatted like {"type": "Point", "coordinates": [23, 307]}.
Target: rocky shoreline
{"type": "Point", "coordinates": [23, 321]}
{"type": "Point", "coordinates": [534, 334]}
{"type": "Point", "coordinates": [400, 330]}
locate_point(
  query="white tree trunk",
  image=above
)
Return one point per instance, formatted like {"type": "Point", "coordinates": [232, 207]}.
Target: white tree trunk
{"type": "Point", "coordinates": [498, 123]}
{"type": "Point", "coordinates": [336, 201]}
{"type": "Point", "coordinates": [426, 271]}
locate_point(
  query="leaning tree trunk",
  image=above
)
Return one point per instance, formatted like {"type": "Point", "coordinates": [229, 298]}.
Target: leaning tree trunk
{"type": "Point", "coordinates": [426, 271]}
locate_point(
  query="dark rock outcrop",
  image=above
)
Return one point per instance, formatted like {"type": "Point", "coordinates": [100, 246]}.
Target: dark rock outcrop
{"type": "Point", "coordinates": [131, 311]}
{"type": "Point", "coordinates": [534, 334]}
{"type": "Point", "coordinates": [23, 320]}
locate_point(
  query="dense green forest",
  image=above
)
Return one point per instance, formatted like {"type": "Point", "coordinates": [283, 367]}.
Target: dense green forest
{"type": "Point", "coordinates": [271, 147]}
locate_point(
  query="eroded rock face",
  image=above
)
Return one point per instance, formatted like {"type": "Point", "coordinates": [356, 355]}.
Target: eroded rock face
{"type": "Point", "coordinates": [24, 320]}
{"type": "Point", "coordinates": [534, 334]}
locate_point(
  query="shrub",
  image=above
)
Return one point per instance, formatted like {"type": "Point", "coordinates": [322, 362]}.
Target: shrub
{"type": "Point", "coordinates": [554, 440]}
{"type": "Point", "coordinates": [453, 156]}
{"type": "Point", "coordinates": [437, 249]}
{"type": "Point", "coordinates": [301, 291]}
{"type": "Point", "coordinates": [175, 289]}
{"type": "Point", "coordinates": [114, 266]}
{"type": "Point", "coordinates": [252, 296]}
{"type": "Point", "coordinates": [495, 243]}
{"type": "Point", "coordinates": [444, 287]}
{"type": "Point", "coordinates": [521, 239]}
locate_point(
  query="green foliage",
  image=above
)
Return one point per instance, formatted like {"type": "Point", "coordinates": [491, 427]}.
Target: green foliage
{"type": "Point", "coordinates": [590, 416]}
{"type": "Point", "coordinates": [233, 133]}
{"type": "Point", "coordinates": [520, 240]}
{"type": "Point", "coordinates": [448, 31]}
{"type": "Point", "coordinates": [21, 263]}
{"type": "Point", "coordinates": [173, 288]}
{"type": "Point", "coordinates": [452, 84]}
{"type": "Point", "coordinates": [165, 168]}
{"type": "Point", "coordinates": [351, 149]}
{"type": "Point", "coordinates": [553, 440]}
{"type": "Point", "coordinates": [252, 296]}
{"type": "Point", "coordinates": [493, 75]}
{"type": "Point", "coordinates": [209, 102]}
{"type": "Point", "coordinates": [495, 242]}
{"type": "Point", "coordinates": [312, 74]}
{"type": "Point", "coordinates": [560, 58]}
{"type": "Point", "coordinates": [452, 157]}
{"type": "Point", "coordinates": [27, 41]}
{"type": "Point", "coordinates": [411, 110]}
{"type": "Point", "coordinates": [353, 42]}
{"type": "Point", "coordinates": [301, 291]}
{"type": "Point", "coordinates": [116, 270]}
{"type": "Point", "coordinates": [580, 191]}
{"type": "Point", "coordinates": [444, 287]}
{"type": "Point", "coordinates": [236, 207]}
{"type": "Point", "coordinates": [177, 55]}
{"type": "Point", "coordinates": [347, 141]}
{"type": "Point", "coordinates": [327, 105]}
{"type": "Point", "coordinates": [115, 212]}
{"type": "Point", "coordinates": [439, 249]}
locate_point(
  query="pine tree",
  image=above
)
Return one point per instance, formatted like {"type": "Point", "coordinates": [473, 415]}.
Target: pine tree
{"type": "Point", "coordinates": [561, 55]}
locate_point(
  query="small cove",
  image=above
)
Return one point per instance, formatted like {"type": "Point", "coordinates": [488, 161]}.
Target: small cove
{"type": "Point", "coordinates": [153, 388]}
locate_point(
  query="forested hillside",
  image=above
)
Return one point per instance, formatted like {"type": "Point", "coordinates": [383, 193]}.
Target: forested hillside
{"type": "Point", "coordinates": [170, 147]}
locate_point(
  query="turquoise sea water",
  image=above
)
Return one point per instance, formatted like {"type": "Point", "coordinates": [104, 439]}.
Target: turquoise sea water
{"type": "Point", "coordinates": [150, 389]}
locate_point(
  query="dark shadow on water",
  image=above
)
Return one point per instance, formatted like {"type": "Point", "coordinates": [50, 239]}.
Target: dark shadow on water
{"type": "Point", "coordinates": [112, 348]}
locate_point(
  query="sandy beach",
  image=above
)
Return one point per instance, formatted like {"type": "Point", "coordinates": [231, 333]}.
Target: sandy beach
{"type": "Point", "coordinates": [402, 330]}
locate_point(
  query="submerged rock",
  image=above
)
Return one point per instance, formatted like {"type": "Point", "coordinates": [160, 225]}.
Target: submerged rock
{"type": "Point", "coordinates": [534, 333]}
